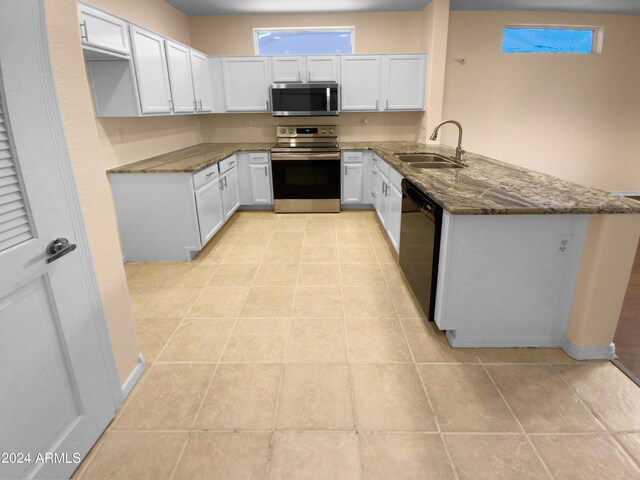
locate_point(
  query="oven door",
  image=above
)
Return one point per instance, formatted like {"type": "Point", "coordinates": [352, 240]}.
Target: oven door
{"type": "Point", "coordinates": [306, 182]}
{"type": "Point", "coordinates": [304, 99]}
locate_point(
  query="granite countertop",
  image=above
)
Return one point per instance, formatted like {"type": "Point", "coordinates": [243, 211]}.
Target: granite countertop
{"type": "Point", "coordinates": [490, 187]}
{"type": "Point", "coordinates": [190, 159]}
{"type": "Point", "coordinates": [483, 187]}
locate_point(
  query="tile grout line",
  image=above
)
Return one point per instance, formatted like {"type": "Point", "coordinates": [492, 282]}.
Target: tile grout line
{"type": "Point", "coordinates": [526, 435]}
{"type": "Point", "coordinates": [284, 359]}
{"type": "Point", "coordinates": [607, 430]}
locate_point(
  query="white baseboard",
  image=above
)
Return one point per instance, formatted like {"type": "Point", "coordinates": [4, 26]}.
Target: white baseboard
{"type": "Point", "coordinates": [134, 377]}
{"type": "Point", "coordinates": [578, 352]}
{"type": "Point", "coordinates": [627, 194]}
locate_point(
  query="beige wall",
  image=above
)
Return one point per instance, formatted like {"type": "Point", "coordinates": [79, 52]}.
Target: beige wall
{"type": "Point", "coordinates": [390, 32]}
{"type": "Point", "coordinates": [573, 116]}
{"type": "Point", "coordinates": [435, 31]}
{"type": "Point", "coordinates": [126, 140]}
{"type": "Point", "coordinates": [95, 194]}
{"type": "Point", "coordinates": [609, 250]}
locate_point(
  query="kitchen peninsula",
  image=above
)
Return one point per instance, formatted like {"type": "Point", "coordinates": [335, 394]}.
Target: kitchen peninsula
{"type": "Point", "coordinates": [510, 251]}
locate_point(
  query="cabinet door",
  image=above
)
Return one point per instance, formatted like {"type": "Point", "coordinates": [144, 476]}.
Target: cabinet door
{"type": "Point", "coordinates": [352, 183]}
{"type": "Point", "coordinates": [210, 214]}
{"type": "Point", "coordinates": [403, 81]}
{"type": "Point", "coordinates": [360, 83]}
{"type": "Point", "coordinates": [260, 184]}
{"type": "Point", "coordinates": [322, 69]}
{"type": "Point", "coordinates": [202, 82]}
{"type": "Point", "coordinates": [230, 192]}
{"type": "Point", "coordinates": [179, 65]}
{"type": "Point", "coordinates": [287, 69]}
{"type": "Point", "coordinates": [101, 30]}
{"type": "Point", "coordinates": [246, 84]}
{"type": "Point", "coordinates": [151, 71]}
{"type": "Point", "coordinates": [382, 198]}
{"type": "Point", "coordinates": [394, 214]}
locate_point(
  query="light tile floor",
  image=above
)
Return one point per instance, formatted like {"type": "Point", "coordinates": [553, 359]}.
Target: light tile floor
{"type": "Point", "coordinates": [291, 348]}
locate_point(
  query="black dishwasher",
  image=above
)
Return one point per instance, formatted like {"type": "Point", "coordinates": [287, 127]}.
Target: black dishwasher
{"type": "Point", "coordinates": [420, 229]}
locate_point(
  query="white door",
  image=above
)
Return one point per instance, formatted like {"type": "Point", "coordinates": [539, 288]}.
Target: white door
{"type": "Point", "coordinates": [230, 192]}
{"type": "Point", "coordinates": [151, 71]}
{"type": "Point", "coordinates": [260, 184]}
{"type": "Point", "coordinates": [246, 84]}
{"type": "Point", "coordinates": [179, 65]}
{"type": "Point", "coordinates": [202, 82]}
{"type": "Point", "coordinates": [101, 30]}
{"type": "Point", "coordinates": [57, 374]}
{"type": "Point", "coordinates": [360, 82]}
{"type": "Point", "coordinates": [394, 215]}
{"type": "Point", "coordinates": [287, 69]}
{"type": "Point", "coordinates": [403, 81]}
{"type": "Point", "coordinates": [323, 69]}
{"type": "Point", "coordinates": [352, 183]}
{"type": "Point", "coordinates": [209, 205]}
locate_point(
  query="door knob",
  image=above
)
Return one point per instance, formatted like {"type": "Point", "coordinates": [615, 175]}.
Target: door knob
{"type": "Point", "coordinates": [59, 248]}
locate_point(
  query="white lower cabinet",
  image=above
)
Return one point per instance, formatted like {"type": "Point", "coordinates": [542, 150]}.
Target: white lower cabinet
{"type": "Point", "coordinates": [387, 193]}
{"type": "Point", "coordinates": [230, 191]}
{"type": "Point", "coordinates": [210, 213]}
{"type": "Point", "coordinates": [352, 177]}
{"type": "Point", "coordinates": [254, 172]}
{"type": "Point", "coordinates": [394, 213]}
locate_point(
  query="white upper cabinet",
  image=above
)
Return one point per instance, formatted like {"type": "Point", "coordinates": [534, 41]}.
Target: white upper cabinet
{"type": "Point", "coordinates": [151, 71]}
{"type": "Point", "coordinates": [103, 31]}
{"type": "Point", "coordinates": [246, 84]}
{"type": "Point", "coordinates": [179, 64]}
{"type": "Point", "coordinates": [202, 87]}
{"type": "Point", "coordinates": [287, 69]}
{"type": "Point", "coordinates": [404, 82]}
{"type": "Point", "coordinates": [360, 82]}
{"type": "Point", "coordinates": [322, 68]}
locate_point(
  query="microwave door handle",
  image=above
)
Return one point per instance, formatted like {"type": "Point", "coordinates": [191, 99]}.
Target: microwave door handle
{"type": "Point", "coordinates": [328, 98]}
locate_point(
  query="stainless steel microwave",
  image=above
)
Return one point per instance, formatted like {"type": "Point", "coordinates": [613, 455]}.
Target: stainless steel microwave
{"type": "Point", "coordinates": [304, 99]}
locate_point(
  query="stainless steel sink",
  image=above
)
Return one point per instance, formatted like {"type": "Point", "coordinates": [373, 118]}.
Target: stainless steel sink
{"type": "Point", "coordinates": [427, 160]}
{"type": "Point", "coordinates": [421, 157]}
{"type": "Point", "coordinates": [445, 164]}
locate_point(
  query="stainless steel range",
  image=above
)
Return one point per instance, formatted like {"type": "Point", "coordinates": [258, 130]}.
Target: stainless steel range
{"type": "Point", "coordinates": [306, 169]}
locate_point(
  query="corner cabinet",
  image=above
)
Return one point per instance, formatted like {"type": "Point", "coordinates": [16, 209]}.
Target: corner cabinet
{"type": "Point", "coordinates": [246, 84]}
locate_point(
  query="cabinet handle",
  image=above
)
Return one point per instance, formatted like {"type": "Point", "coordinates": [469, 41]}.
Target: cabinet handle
{"type": "Point", "coordinates": [225, 182]}
{"type": "Point", "coordinates": [374, 172]}
{"type": "Point", "coordinates": [387, 106]}
{"type": "Point", "coordinates": [195, 106]}
{"type": "Point", "coordinates": [171, 106]}
{"type": "Point", "coordinates": [209, 174]}
{"type": "Point", "coordinates": [200, 104]}
{"type": "Point", "coordinates": [345, 170]}
{"type": "Point", "coordinates": [373, 194]}
{"type": "Point", "coordinates": [267, 105]}
{"type": "Point", "coordinates": [220, 185]}
{"type": "Point", "coordinates": [376, 104]}
{"type": "Point", "coordinates": [266, 172]}
{"type": "Point", "coordinates": [308, 76]}
{"type": "Point", "coordinates": [299, 76]}
{"type": "Point", "coordinates": [84, 36]}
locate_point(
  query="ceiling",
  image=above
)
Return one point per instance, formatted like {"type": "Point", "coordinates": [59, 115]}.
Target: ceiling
{"type": "Point", "coordinates": [257, 7]}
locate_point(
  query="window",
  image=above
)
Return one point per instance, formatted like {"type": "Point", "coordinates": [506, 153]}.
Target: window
{"type": "Point", "coordinates": [549, 40]}
{"type": "Point", "coordinates": [304, 41]}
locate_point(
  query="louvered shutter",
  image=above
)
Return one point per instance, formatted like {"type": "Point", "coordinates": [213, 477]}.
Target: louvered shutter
{"type": "Point", "coordinates": [15, 226]}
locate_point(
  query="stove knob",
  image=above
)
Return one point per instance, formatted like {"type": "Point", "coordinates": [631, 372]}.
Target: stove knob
{"type": "Point", "coordinates": [291, 130]}
{"type": "Point", "coordinates": [283, 130]}
{"type": "Point", "coordinates": [323, 131]}
{"type": "Point", "coordinates": [331, 131]}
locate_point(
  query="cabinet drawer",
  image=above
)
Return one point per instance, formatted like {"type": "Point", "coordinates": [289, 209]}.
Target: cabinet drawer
{"type": "Point", "coordinates": [101, 30]}
{"type": "Point", "coordinates": [205, 175]}
{"type": "Point", "coordinates": [227, 163]}
{"type": "Point", "coordinates": [259, 157]}
{"type": "Point", "coordinates": [352, 157]}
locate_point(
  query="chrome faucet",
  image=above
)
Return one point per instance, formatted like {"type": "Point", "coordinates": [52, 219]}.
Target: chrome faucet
{"type": "Point", "coordinates": [459, 150]}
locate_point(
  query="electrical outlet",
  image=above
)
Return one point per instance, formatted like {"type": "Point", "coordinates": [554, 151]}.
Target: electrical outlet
{"type": "Point", "coordinates": [564, 242]}
{"type": "Point", "coordinates": [247, 124]}
{"type": "Point", "coordinates": [364, 122]}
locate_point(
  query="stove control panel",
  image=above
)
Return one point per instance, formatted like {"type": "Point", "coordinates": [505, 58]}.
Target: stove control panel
{"type": "Point", "coordinates": [306, 131]}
